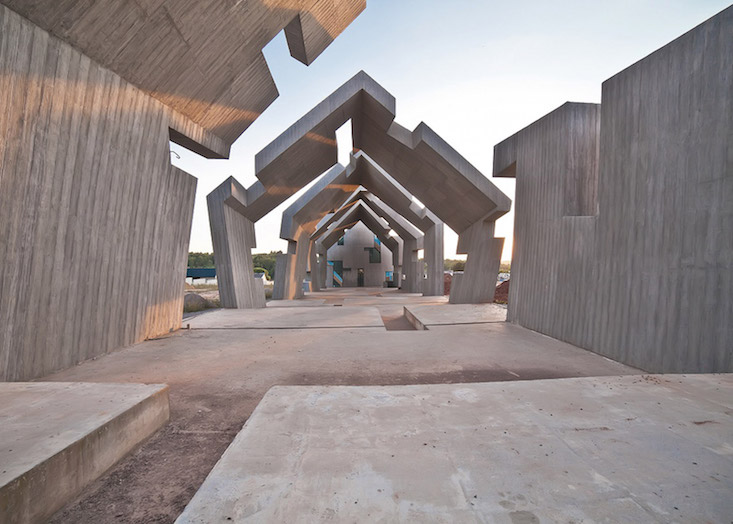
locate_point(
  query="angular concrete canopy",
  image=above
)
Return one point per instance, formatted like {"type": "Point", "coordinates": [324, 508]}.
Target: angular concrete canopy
{"type": "Point", "coordinates": [419, 160]}
{"type": "Point", "coordinates": [359, 212]}
{"type": "Point", "coordinates": [301, 217]}
{"type": "Point", "coordinates": [412, 239]}
{"type": "Point", "coordinates": [201, 58]}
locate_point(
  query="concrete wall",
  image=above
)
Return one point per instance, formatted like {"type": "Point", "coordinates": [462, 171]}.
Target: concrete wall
{"type": "Point", "coordinates": [94, 221]}
{"type": "Point", "coordinates": [354, 256]}
{"type": "Point", "coordinates": [624, 212]}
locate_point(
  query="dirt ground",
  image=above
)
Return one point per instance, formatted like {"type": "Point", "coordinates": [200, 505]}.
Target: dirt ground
{"type": "Point", "coordinates": [218, 376]}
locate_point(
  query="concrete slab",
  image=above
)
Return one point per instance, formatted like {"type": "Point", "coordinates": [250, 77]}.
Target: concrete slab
{"type": "Point", "coordinates": [290, 318]}
{"type": "Point", "coordinates": [57, 437]}
{"type": "Point", "coordinates": [613, 449]}
{"type": "Point", "coordinates": [427, 316]}
{"type": "Point", "coordinates": [217, 377]}
{"type": "Point", "coordinates": [297, 303]}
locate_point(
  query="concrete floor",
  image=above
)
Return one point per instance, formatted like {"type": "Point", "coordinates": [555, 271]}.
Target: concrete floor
{"type": "Point", "coordinates": [55, 438]}
{"type": "Point", "coordinates": [632, 449]}
{"type": "Point", "coordinates": [217, 377]}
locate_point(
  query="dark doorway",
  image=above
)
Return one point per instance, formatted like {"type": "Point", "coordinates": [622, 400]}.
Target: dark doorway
{"type": "Point", "coordinates": [360, 277]}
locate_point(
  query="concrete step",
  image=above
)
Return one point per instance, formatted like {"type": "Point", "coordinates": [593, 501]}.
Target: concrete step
{"type": "Point", "coordinates": [57, 437]}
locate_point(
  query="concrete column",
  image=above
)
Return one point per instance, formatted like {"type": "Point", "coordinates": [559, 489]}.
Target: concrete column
{"type": "Point", "coordinates": [314, 269]}
{"type": "Point", "coordinates": [411, 268]}
{"type": "Point", "coordinates": [477, 284]}
{"type": "Point", "coordinates": [433, 285]}
{"type": "Point", "coordinates": [233, 237]}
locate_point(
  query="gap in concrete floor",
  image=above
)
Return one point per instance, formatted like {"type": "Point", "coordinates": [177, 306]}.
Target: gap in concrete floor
{"type": "Point", "coordinates": [218, 376]}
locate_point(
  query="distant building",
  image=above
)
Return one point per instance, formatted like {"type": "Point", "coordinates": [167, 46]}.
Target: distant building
{"type": "Point", "coordinates": [359, 259]}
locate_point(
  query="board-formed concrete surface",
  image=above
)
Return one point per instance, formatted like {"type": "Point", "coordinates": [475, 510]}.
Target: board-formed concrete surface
{"type": "Point", "coordinates": [648, 448]}
{"type": "Point", "coordinates": [57, 437]}
{"type": "Point", "coordinates": [201, 59]}
{"type": "Point", "coordinates": [290, 318]}
{"type": "Point", "coordinates": [430, 316]}
{"type": "Point", "coordinates": [623, 224]}
{"type": "Point", "coordinates": [94, 220]}
{"type": "Point", "coordinates": [419, 160]}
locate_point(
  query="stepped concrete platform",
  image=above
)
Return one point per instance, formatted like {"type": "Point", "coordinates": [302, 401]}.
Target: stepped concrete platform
{"type": "Point", "coordinates": [424, 316]}
{"type": "Point", "coordinates": [57, 437]}
{"type": "Point", "coordinates": [290, 318]}
{"type": "Point", "coordinates": [645, 448]}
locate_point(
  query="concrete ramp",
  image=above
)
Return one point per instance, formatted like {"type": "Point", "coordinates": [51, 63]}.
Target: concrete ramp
{"type": "Point", "coordinates": [646, 448]}
{"type": "Point", "coordinates": [430, 316]}
{"type": "Point", "coordinates": [290, 318]}
{"type": "Point", "coordinates": [57, 437]}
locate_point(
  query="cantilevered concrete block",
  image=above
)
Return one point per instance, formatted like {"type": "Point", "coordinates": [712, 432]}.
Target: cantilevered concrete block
{"type": "Point", "coordinates": [202, 59]}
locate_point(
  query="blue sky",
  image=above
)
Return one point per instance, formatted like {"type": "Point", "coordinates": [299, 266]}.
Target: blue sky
{"type": "Point", "coordinates": [475, 71]}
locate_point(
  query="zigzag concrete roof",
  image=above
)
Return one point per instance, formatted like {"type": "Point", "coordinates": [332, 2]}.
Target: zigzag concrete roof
{"type": "Point", "coordinates": [202, 58]}
{"type": "Point", "coordinates": [333, 188]}
{"type": "Point", "coordinates": [359, 212]}
{"type": "Point", "coordinates": [419, 160]}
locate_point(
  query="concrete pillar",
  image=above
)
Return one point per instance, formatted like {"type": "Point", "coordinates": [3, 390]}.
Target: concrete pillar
{"type": "Point", "coordinates": [433, 285]}
{"type": "Point", "coordinates": [411, 270]}
{"type": "Point", "coordinates": [313, 268]}
{"type": "Point", "coordinates": [233, 237]}
{"type": "Point", "coordinates": [477, 283]}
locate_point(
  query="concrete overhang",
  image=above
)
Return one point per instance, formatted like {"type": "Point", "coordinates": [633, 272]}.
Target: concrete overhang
{"type": "Point", "coordinates": [202, 59]}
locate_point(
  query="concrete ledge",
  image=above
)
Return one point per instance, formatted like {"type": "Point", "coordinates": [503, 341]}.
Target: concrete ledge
{"type": "Point", "coordinates": [412, 319]}
{"type": "Point", "coordinates": [56, 437]}
{"type": "Point", "coordinates": [644, 448]}
{"type": "Point", "coordinates": [428, 316]}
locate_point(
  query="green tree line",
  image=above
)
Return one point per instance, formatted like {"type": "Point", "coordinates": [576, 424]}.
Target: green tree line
{"type": "Point", "coordinates": [265, 261]}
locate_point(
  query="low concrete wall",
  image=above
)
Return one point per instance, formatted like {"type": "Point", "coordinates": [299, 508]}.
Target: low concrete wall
{"type": "Point", "coordinates": [73, 441]}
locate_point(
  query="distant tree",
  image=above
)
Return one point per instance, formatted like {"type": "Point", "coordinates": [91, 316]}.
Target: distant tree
{"type": "Point", "coordinates": [266, 261]}
{"type": "Point", "coordinates": [263, 261]}
{"type": "Point", "coordinates": [454, 265]}
{"type": "Point", "coordinates": [198, 260]}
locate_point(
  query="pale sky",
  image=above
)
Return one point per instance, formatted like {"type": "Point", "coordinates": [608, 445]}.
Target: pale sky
{"type": "Point", "coordinates": [475, 71]}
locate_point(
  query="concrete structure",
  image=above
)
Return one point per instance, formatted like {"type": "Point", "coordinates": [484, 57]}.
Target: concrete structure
{"type": "Point", "coordinates": [301, 219]}
{"type": "Point", "coordinates": [623, 237]}
{"type": "Point", "coordinates": [423, 163]}
{"type": "Point", "coordinates": [613, 449]}
{"type": "Point", "coordinates": [94, 220]}
{"type": "Point", "coordinates": [412, 242]}
{"type": "Point", "coordinates": [355, 257]}
{"type": "Point", "coordinates": [202, 60]}
{"type": "Point", "coordinates": [59, 437]}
